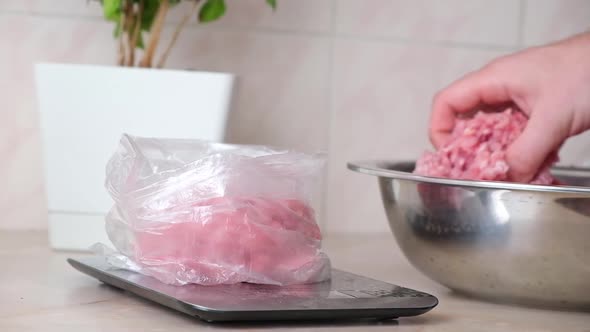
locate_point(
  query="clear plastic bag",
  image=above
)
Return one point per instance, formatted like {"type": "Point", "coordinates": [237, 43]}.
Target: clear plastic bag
{"type": "Point", "coordinates": [189, 211]}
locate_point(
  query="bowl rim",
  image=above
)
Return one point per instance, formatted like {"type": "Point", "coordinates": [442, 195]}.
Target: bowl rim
{"type": "Point", "coordinates": [386, 169]}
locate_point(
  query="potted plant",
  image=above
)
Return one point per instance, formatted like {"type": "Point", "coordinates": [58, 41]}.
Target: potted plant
{"type": "Point", "coordinates": [134, 18]}
{"type": "Point", "coordinates": [84, 109]}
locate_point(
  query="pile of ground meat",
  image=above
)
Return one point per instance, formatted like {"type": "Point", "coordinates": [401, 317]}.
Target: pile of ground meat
{"type": "Point", "coordinates": [477, 149]}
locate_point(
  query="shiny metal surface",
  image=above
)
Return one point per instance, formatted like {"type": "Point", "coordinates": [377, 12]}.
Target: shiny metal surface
{"type": "Point", "coordinates": [510, 242]}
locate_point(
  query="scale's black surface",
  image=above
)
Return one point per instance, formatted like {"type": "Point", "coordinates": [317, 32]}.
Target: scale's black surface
{"type": "Point", "coordinates": [346, 296]}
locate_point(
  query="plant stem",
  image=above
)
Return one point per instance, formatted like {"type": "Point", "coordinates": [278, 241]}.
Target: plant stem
{"type": "Point", "coordinates": [122, 21]}
{"type": "Point", "coordinates": [129, 22]}
{"type": "Point", "coordinates": [135, 34]}
{"type": "Point", "coordinates": [156, 30]}
{"type": "Point", "coordinates": [179, 28]}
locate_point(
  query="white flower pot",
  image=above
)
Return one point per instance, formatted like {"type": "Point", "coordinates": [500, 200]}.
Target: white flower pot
{"type": "Point", "coordinates": [85, 109]}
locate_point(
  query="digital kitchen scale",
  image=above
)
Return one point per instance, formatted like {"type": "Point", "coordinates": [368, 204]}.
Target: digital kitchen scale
{"type": "Point", "coordinates": [345, 296]}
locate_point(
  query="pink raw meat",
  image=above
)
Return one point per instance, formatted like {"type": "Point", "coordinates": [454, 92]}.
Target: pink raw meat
{"type": "Point", "coordinates": [477, 148]}
{"type": "Point", "coordinates": [228, 240]}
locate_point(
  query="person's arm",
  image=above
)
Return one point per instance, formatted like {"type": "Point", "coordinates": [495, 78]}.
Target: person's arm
{"type": "Point", "coordinates": [551, 84]}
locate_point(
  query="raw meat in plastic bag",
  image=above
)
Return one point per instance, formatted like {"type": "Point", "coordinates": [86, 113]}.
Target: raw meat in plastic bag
{"type": "Point", "coordinates": [188, 211]}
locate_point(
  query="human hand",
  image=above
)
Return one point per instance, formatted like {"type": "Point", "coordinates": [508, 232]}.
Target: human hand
{"type": "Point", "coordinates": [550, 84]}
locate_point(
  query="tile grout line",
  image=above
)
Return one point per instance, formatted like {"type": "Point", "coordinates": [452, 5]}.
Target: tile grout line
{"type": "Point", "coordinates": [521, 23]}
{"type": "Point", "coordinates": [311, 34]}
{"type": "Point", "coordinates": [77, 213]}
{"type": "Point", "coordinates": [331, 112]}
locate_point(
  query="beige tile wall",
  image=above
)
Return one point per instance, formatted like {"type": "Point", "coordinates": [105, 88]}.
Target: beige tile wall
{"type": "Point", "coordinates": [353, 77]}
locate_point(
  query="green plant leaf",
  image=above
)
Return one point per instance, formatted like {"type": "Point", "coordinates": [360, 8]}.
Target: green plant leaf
{"type": "Point", "coordinates": [117, 30]}
{"type": "Point", "coordinates": [112, 9]}
{"type": "Point", "coordinates": [150, 9]}
{"type": "Point", "coordinates": [272, 3]}
{"type": "Point", "coordinates": [139, 43]}
{"type": "Point", "coordinates": [211, 11]}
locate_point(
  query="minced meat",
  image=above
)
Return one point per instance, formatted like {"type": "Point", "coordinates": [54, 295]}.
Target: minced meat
{"type": "Point", "coordinates": [477, 150]}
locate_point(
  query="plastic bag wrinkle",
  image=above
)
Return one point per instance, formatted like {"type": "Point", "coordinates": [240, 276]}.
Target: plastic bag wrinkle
{"type": "Point", "coordinates": [189, 211]}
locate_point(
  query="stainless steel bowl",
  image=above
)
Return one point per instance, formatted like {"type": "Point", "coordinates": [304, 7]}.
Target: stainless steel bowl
{"type": "Point", "coordinates": [500, 241]}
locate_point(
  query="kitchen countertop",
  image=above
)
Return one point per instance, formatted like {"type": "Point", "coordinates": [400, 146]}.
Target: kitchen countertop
{"type": "Point", "coordinates": [39, 291]}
